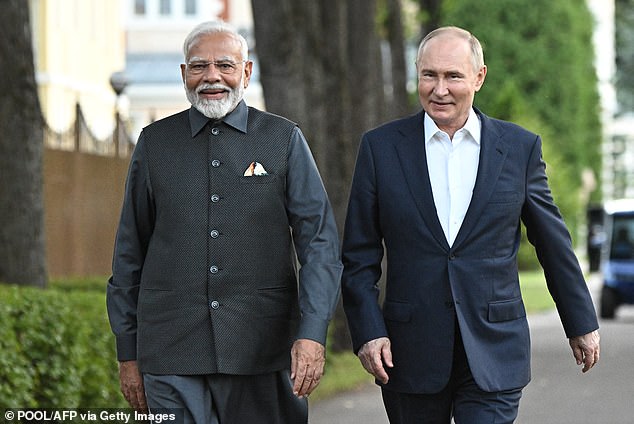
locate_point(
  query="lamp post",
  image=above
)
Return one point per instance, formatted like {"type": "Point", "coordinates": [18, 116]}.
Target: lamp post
{"type": "Point", "coordinates": [118, 82]}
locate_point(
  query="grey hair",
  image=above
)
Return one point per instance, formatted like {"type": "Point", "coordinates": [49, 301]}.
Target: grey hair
{"type": "Point", "coordinates": [213, 27]}
{"type": "Point", "coordinates": [477, 57]}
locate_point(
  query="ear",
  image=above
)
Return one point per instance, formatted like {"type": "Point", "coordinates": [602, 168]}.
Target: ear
{"type": "Point", "coordinates": [248, 70]}
{"type": "Point", "coordinates": [480, 76]}
{"type": "Point", "coordinates": [183, 68]}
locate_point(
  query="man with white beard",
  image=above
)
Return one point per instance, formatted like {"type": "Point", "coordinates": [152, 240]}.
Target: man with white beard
{"type": "Point", "coordinates": [210, 316]}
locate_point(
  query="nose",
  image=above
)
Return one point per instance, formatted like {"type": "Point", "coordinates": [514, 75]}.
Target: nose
{"type": "Point", "coordinates": [211, 73]}
{"type": "Point", "coordinates": [441, 87]}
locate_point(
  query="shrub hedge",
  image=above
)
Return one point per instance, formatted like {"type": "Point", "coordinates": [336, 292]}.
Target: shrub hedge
{"type": "Point", "coordinates": [56, 348]}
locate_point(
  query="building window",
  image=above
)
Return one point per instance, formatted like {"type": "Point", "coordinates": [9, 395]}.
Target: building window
{"type": "Point", "coordinates": [190, 7]}
{"type": "Point", "coordinates": [165, 7]}
{"type": "Point", "coordinates": [139, 7]}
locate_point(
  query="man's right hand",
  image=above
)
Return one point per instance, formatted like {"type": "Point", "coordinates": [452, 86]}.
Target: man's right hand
{"type": "Point", "coordinates": [374, 355]}
{"type": "Point", "coordinates": [132, 385]}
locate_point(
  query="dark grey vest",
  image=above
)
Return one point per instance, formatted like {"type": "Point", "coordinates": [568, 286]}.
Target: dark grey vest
{"type": "Point", "coordinates": [218, 290]}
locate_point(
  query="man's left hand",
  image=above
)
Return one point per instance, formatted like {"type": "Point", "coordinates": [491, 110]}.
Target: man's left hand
{"type": "Point", "coordinates": [307, 366]}
{"type": "Point", "coordinates": [586, 349]}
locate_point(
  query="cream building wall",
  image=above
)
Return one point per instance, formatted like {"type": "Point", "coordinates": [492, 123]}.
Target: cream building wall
{"type": "Point", "coordinates": [154, 53]}
{"type": "Point", "coordinates": [78, 44]}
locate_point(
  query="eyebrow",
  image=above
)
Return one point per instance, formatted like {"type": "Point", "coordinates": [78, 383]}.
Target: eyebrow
{"type": "Point", "coordinates": [201, 59]}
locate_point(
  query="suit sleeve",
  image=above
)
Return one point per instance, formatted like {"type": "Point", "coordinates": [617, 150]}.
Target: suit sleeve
{"type": "Point", "coordinates": [547, 231]}
{"type": "Point", "coordinates": [133, 234]}
{"type": "Point", "coordinates": [316, 241]}
{"type": "Point", "coordinates": [362, 253]}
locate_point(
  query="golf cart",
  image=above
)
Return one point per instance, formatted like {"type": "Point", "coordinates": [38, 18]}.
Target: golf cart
{"type": "Point", "coordinates": [617, 261]}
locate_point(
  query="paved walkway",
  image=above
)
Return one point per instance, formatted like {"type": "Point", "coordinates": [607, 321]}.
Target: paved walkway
{"type": "Point", "coordinates": [558, 393]}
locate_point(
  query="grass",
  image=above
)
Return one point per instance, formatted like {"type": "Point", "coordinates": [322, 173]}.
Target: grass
{"type": "Point", "coordinates": [535, 292]}
{"type": "Point", "coordinates": [343, 372]}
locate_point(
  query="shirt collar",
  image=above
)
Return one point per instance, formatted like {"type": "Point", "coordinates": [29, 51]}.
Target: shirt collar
{"type": "Point", "coordinates": [472, 126]}
{"type": "Point", "coordinates": [237, 118]}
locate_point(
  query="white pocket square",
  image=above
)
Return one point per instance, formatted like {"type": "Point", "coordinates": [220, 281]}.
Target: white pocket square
{"type": "Point", "coordinates": [255, 168]}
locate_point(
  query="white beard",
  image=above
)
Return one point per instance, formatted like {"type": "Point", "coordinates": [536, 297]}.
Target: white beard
{"type": "Point", "coordinates": [215, 109]}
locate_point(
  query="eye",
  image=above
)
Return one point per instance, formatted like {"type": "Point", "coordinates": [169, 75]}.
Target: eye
{"type": "Point", "coordinates": [225, 66]}
{"type": "Point", "coordinates": [198, 67]}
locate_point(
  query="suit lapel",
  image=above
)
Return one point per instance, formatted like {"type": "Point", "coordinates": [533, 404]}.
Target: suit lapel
{"type": "Point", "coordinates": [493, 152]}
{"type": "Point", "coordinates": [413, 160]}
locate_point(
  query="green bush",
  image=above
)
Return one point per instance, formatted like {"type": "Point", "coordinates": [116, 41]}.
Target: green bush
{"type": "Point", "coordinates": [56, 349]}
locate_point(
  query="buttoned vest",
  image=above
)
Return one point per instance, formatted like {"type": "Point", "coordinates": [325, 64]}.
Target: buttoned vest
{"type": "Point", "coordinates": [218, 291]}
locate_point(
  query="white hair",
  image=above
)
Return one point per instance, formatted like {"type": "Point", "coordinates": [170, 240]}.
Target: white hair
{"type": "Point", "coordinates": [213, 27]}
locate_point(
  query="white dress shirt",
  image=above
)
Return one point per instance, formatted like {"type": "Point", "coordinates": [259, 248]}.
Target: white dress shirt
{"type": "Point", "coordinates": [453, 166]}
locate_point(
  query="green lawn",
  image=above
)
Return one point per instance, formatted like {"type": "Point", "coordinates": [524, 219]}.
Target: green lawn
{"type": "Point", "coordinates": [344, 371]}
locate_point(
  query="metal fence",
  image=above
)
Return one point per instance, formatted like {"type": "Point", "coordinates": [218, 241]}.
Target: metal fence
{"type": "Point", "coordinates": [79, 138]}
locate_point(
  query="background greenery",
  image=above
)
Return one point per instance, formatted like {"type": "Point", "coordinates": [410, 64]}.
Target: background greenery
{"type": "Point", "coordinates": [57, 350]}
{"type": "Point", "coordinates": [541, 75]}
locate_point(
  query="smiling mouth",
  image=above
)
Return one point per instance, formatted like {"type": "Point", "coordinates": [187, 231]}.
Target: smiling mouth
{"type": "Point", "coordinates": [212, 92]}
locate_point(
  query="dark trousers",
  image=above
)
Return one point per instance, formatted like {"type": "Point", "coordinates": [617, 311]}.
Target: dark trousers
{"type": "Point", "coordinates": [461, 399]}
{"type": "Point", "coordinates": [227, 399]}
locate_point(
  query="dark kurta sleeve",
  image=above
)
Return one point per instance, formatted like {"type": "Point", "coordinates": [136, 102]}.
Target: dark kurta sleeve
{"type": "Point", "coordinates": [133, 234]}
{"type": "Point", "coordinates": [316, 240]}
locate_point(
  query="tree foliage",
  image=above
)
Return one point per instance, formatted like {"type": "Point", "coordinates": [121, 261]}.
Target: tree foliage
{"type": "Point", "coordinates": [541, 69]}
{"type": "Point", "coordinates": [22, 249]}
{"type": "Point", "coordinates": [625, 54]}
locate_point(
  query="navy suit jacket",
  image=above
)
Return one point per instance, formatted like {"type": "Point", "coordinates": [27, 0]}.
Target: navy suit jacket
{"type": "Point", "coordinates": [430, 285]}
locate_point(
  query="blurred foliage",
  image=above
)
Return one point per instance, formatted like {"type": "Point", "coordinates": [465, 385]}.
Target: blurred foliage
{"type": "Point", "coordinates": [624, 21]}
{"type": "Point", "coordinates": [541, 75]}
{"type": "Point", "coordinates": [56, 348]}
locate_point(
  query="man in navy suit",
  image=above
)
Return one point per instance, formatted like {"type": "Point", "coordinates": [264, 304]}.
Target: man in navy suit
{"type": "Point", "coordinates": [443, 193]}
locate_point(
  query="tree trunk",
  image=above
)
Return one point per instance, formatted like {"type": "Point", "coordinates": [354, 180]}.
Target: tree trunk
{"type": "Point", "coordinates": [432, 9]}
{"type": "Point", "coordinates": [320, 67]}
{"type": "Point", "coordinates": [22, 247]}
{"type": "Point", "coordinates": [399, 102]}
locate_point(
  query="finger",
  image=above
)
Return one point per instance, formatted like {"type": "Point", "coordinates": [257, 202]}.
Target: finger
{"type": "Point", "coordinates": [313, 385]}
{"type": "Point", "coordinates": [577, 352]}
{"type": "Point", "coordinates": [316, 378]}
{"type": "Point", "coordinates": [303, 383]}
{"type": "Point", "coordinates": [376, 369]}
{"type": "Point", "coordinates": [142, 402]}
{"type": "Point", "coordinates": [298, 379]}
{"type": "Point", "coordinates": [293, 364]}
{"type": "Point", "coordinates": [590, 360]}
{"type": "Point", "coordinates": [387, 356]}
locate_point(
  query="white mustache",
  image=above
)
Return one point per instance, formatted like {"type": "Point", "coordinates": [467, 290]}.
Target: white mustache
{"type": "Point", "coordinates": [204, 86]}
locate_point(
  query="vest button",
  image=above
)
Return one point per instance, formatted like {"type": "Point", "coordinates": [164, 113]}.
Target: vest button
{"type": "Point", "coordinates": [215, 304]}
{"type": "Point", "coordinates": [215, 131]}
{"type": "Point", "coordinates": [213, 269]}
{"type": "Point", "coordinates": [215, 163]}
{"type": "Point", "coordinates": [214, 233]}
{"type": "Point", "coordinates": [215, 198]}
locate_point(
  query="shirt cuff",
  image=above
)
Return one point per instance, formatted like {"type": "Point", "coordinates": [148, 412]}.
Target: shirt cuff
{"type": "Point", "coordinates": [126, 347]}
{"type": "Point", "coordinates": [313, 328]}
